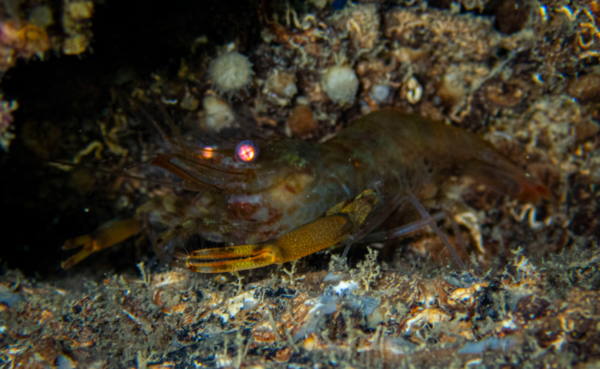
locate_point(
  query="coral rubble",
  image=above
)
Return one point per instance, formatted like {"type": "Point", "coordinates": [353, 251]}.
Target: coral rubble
{"type": "Point", "coordinates": [364, 317]}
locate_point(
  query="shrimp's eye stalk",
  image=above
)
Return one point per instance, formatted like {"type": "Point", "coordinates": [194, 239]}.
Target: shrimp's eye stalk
{"type": "Point", "coordinates": [246, 151]}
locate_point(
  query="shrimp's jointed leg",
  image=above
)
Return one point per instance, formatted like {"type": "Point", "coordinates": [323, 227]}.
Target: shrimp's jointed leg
{"type": "Point", "coordinates": [107, 235]}
{"type": "Point", "coordinates": [339, 222]}
{"type": "Point", "coordinates": [402, 230]}
{"type": "Point", "coordinates": [425, 215]}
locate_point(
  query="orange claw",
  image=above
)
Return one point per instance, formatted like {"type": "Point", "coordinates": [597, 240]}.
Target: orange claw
{"type": "Point", "coordinates": [107, 235]}
{"type": "Point", "coordinates": [340, 222]}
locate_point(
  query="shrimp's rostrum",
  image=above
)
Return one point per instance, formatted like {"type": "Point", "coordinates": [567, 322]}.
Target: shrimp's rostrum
{"type": "Point", "coordinates": [296, 198]}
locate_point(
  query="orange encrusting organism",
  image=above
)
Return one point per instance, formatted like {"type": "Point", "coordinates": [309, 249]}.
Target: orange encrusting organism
{"type": "Point", "coordinates": [295, 198]}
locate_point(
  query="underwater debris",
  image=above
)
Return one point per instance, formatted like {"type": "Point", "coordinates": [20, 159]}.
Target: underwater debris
{"type": "Point", "coordinates": [586, 88]}
{"type": "Point", "coordinates": [301, 121]}
{"type": "Point", "coordinates": [280, 87]}
{"type": "Point", "coordinates": [77, 25]}
{"type": "Point", "coordinates": [368, 269]}
{"type": "Point", "coordinates": [380, 93]}
{"type": "Point", "coordinates": [6, 119]}
{"type": "Point", "coordinates": [452, 89]}
{"type": "Point", "coordinates": [41, 16]}
{"type": "Point", "coordinates": [21, 40]}
{"type": "Point", "coordinates": [361, 23]}
{"type": "Point", "coordinates": [412, 91]}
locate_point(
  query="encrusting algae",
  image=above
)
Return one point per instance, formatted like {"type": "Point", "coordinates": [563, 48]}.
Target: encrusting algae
{"type": "Point", "coordinates": [247, 98]}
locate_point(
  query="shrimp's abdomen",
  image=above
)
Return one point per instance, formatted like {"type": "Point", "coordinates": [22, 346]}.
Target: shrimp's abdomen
{"type": "Point", "coordinates": [412, 150]}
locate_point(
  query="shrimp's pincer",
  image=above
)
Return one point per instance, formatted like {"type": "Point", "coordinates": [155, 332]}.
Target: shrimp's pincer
{"type": "Point", "coordinates": [338, 223]}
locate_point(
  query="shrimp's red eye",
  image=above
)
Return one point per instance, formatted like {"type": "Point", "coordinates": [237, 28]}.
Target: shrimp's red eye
{"type": "Point", "coordinates": [246, 151]}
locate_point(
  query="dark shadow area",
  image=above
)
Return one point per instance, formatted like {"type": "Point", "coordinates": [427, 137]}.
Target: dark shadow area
{"type": "Point", "coordinates": [63, 97]}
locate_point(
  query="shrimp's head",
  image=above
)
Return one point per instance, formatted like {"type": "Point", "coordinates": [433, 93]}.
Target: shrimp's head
{"type": "Point", "coordinates": [266, 183]}
{"type": "Point", "coordinates": [256, 167]}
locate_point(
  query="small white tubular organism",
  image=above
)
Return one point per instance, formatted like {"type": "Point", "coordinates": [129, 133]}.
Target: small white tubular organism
{"type": "Point", "coordinates": [219, 114]}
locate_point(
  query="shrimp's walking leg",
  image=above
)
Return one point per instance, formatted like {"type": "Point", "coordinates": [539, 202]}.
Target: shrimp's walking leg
{"type": "Point", "coordinates": [340, 222]}
{"type": "Point", "coordinates": [425, 215]}
{"type": "Point", "coordinates": [107, 235]}
{"type": "Point", "coordinates": [403, 230]}
{"type": "Point", "coordinates": [382, 213]}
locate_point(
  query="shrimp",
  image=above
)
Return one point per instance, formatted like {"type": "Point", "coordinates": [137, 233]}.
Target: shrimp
{"type": "Point", "coordinates": [283, 200]}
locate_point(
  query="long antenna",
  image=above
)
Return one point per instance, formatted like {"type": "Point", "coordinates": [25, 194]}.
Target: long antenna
{"type": "Point", "coordinates": [174, 130]}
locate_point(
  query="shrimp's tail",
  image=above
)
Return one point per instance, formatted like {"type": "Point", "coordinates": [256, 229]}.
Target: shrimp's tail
{"type": "Point", "coordinates": [507, 178]}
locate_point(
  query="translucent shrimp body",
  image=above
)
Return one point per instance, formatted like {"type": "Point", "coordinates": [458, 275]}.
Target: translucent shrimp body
{"type": "Point", "coordinates": [296, 198]}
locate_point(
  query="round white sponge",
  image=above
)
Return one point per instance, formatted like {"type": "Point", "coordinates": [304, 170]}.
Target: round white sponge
{"type": "Point", "coordinates": [230, 72]}
{"type": "Point", "coordinates": [341, 84]}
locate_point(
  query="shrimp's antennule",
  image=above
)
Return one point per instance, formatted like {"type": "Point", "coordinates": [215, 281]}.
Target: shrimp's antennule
{"type": "Point", "coordinates": [196, 173]}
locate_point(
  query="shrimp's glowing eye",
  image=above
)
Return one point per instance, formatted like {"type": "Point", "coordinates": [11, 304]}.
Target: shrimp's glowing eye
{"type": "Point", "coordinates": [246, 151]}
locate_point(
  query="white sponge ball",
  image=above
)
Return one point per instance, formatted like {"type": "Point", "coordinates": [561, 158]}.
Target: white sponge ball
{"type": "Point", "coordinates": [341, 84]}
{"type": "Point", "coordinates": [230, 72]}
